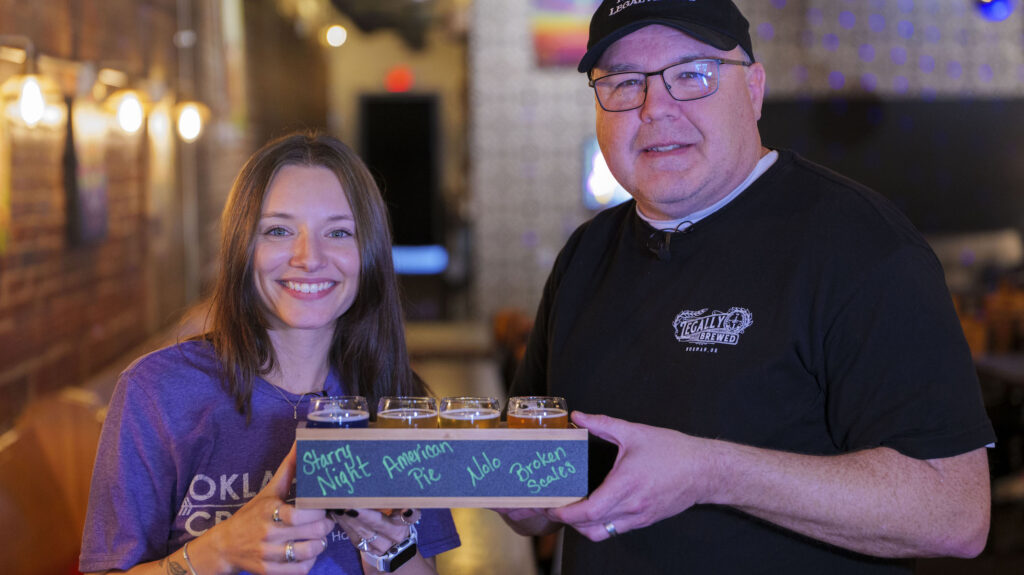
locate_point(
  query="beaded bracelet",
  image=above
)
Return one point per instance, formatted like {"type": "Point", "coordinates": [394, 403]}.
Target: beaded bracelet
{"type": "Point", "coordinates": [184, 552]}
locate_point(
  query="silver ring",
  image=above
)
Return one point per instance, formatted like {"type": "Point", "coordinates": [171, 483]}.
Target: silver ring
{"type": "Point", "coordinates": [364, 543]}
{"type": "Point", "coordinates": [277, 514]}
{"type": "Point", "coordinates": [610, 528]}
{"type": "Point", "coordinates": [289, 552]}
{"type": "Point", "coordinates": [401, 516]}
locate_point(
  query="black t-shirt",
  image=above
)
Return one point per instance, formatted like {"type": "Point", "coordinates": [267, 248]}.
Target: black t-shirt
{"type": "Point", "coordinates": [807, 315]}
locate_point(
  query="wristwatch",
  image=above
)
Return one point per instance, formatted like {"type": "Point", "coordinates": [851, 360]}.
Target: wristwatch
{"type": "Point", "coordinates": [396, 555]}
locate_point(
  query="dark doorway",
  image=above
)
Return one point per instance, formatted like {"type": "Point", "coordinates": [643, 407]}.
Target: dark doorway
{"type": "Point", "coordinates": [400, 144]}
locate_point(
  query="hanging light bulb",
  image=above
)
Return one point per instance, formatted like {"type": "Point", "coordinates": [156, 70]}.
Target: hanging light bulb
{"type": "Point", "coordinates": [32, 100]}
{"type": "Point", "coordinates": [129, 114]}
{"type": "Point", "coordinates": [191, 117]}
{"type": "Point", "coordinates": [128, 108]}
{"type": "Point", "coordinates": [31, 105]}
{"type": "Point", "coordinates": [190, 124]}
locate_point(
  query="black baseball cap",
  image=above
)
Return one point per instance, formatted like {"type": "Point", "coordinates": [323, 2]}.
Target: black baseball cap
{"type": "Point", "coordinates": [717, 23]}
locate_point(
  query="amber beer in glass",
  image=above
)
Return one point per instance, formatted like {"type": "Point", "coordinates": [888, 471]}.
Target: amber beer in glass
{"type": "Point", "coordinates": [338, 411]}
{"type": "Point", "coordinates": [537, 412]}
{"type": "Point", "coordinates": [470, 412]}
{"type": "Point", "coordinates": [407, 412]}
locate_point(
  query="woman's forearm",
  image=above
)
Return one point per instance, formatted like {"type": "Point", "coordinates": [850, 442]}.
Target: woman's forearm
{"type": "Point", "coordinates": [173, 564]}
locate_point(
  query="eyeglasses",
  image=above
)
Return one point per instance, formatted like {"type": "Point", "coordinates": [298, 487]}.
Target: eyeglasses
{"type": "Point", "coordinates": [689, 80]}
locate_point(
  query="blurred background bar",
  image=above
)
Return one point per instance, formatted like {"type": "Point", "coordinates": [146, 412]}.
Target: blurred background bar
{"type": "Point", "coordinates": [124, 122]}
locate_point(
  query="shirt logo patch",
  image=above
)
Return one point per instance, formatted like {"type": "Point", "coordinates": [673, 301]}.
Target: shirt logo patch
{"type": "Point", "coordinates": [703, 328]}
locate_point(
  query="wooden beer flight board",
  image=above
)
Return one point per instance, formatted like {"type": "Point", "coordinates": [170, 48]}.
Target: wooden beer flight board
{"type": "Point", "coordinates": [439, 468]}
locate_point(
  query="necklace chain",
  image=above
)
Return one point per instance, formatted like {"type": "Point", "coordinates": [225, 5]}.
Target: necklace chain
{"type": "Point", "coordinates": [295, 405]}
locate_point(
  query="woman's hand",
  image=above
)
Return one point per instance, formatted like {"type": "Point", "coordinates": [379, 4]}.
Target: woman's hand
{"type": "Point", "coordinates": [379, 530]}
{"type": "Point", "coordinates": [371, 531]}
{"type": "Point", "coordinates": [266, 535]}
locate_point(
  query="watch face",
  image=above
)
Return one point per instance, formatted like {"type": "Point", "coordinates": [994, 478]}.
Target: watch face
{"type": "Point", "coordinates": [400, 558]}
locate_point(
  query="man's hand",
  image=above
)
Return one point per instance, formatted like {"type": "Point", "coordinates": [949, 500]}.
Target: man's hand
{"type": "Point", "coordinates": [874, 501]}
{"type": "Point", "coordinates": [658, 473]}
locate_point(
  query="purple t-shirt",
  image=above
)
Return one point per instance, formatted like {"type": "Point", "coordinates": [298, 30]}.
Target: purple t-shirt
{"type": "Point", "coordinates": [175, 458]}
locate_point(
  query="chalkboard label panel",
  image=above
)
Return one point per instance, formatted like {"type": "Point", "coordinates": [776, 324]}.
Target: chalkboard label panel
{"type": "Point", "coordinates": [440, 467]}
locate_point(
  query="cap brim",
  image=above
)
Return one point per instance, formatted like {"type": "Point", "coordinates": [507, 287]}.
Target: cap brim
{"type": "Point", "coordinates": [704, 34]}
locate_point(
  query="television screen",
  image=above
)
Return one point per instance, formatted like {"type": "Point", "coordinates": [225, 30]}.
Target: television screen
{"type": "Point", "coordinates": [600, 190]}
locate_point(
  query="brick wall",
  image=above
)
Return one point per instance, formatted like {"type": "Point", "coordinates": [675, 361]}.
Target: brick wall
{"type": "Point", "coordinates": [68, 310]}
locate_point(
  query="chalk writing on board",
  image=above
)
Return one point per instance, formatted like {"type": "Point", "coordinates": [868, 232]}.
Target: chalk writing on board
{"type": "Point", "coordinates": [329, 475]}
{"type": "Point", "coordinates": [424, 476]}
{"type": "Point", "coordinates": [480, 469]}
{"type": "Point", "coordinates": [543, 470]}
{"type": "Point", "coordinates": [437, 466]}
{"type": "Point", "coordinates": [419, 454]}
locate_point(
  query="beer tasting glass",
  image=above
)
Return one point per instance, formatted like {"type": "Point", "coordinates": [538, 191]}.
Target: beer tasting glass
{"type": "Point", "coordinates": [407, 412]}
{"type": "Point", "coordinates": [470, 412]}
{"type": "Point", "coordinates": [537, 412]}
{"type": "Point", "coordinates": [338, 411]}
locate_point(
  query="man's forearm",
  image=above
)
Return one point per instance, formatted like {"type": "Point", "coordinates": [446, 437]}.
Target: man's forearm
{"type": "Point", "coordinates": [877, 502]}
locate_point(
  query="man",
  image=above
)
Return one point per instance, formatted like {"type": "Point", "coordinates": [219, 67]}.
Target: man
{"type": "Point", "coordinates": [772, 346]}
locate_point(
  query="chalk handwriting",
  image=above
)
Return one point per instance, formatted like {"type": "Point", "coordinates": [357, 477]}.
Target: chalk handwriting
{"type": "Point", "coordinates": [424, 476]}
{"type": "Point", "coordinates": [419, 454]}
{"type": "Point", "coordinates": [546, 466]}
{"type": "Point", "coordinates": [336, 469]}
{"type": "Point", "coordinates": [482, 469]}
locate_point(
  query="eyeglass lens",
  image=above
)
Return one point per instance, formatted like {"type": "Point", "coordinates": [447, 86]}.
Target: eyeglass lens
{"type": "Point", "coordinates": [686, 81]}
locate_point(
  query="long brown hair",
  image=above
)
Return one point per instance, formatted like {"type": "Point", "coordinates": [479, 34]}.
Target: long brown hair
{"type": "Point", "coordinates": [368, 347]}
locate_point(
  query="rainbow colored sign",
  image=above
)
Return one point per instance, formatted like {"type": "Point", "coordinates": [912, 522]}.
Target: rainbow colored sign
{"type": "Point", "coordinates": [560, 30]}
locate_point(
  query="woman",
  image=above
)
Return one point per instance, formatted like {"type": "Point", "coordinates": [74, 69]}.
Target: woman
{"type": "Point", "coordinates": [306, 304]}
